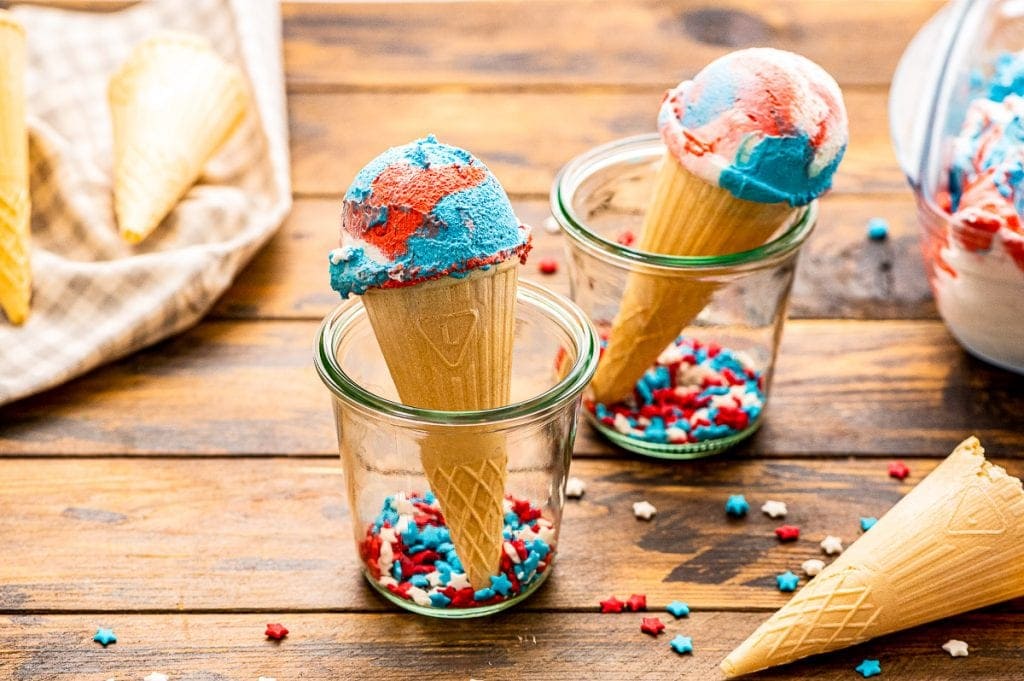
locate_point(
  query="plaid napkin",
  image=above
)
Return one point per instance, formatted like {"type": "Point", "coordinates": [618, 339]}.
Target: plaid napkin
{"type": "Point", "coordinates": [96, 298]}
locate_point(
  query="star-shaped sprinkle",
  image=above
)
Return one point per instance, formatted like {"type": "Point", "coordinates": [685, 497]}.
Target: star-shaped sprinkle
{"type": "Point", "coordinates": [869, 668]}
{"type": "Point", "coordinates": [787, 581]}
{"type": "Point", "coordinates": [812, 567]}
{"type": "Point", "coordinates": [652, 626]}
{"type": "Point", "coordinates": [637, 602]}
{"type": "Point", "coordinates": [898, 470]}
{"type": "Point", "coordinates": [156, 676]}
{"type": "Point", "coordinates": [832, 545]}
{"type": "Point", "coordinates": [678, 609]}
{"type": "Point", "coordinates": [867, 523]}
{"type": "Point", "coordinates": [501, 584]}
{"type": "Point", "coordinates": [105, 636]}
{"type": "Point", "coordinates": [682, 644]}
{"type": "Point", "coordinates": [775, 509]}
{"type": "Point", "coordinates": [612, 604]}
{"type": "Point", "coordinates": [575, 488]}
{"type": "Point", "coordinates": [737, 506]}
{"type": "Point", "coordinates": [955, 647]}
{"type": "Point", "coordinates": [276, 631]}
{"type": "Point", "coordinates": [644, 510]}
{"type": "Point", "coordinates": [787, 533]}
{"type": "Point", "coordinates": [458, 581]}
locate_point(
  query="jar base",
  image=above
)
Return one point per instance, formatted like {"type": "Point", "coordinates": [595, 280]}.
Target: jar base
{"type": "Point", "coordinates": [458, 613]}
{"type": "Point", "coordinates": [673, 452]}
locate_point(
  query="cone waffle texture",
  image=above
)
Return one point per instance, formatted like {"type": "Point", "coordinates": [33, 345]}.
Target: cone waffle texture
{"type": "Point", "coordinates": [15, 270]}
{"type": "Point", "coordinates": [173, 104]}
{"type": "Point", "coordinates": [448, 346]}
{"type": "Point", "coordinates": [955, 543]}
{"type": "Point", "coordinates": [687, 216]}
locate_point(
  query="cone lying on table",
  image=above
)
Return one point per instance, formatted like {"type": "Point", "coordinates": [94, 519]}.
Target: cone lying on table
{"type": "Point", "coordinates": [173, 103]}
{"type": "Point", "coordinates": [755, 136]}
{"type": "Point", "coordinates": [448, 346]}
{"type": "Point", "coordinates": [953, 544]}
{"type": "Point", "coordinates": [15, 267]}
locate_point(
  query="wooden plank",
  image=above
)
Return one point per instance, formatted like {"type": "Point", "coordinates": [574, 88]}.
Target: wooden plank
{"type": "Point", "coordinates": [841, 387]}
{"type": "Point", "coordinates": [841, 273]}
{"type": "Point", "coordinates": [525, 137]}
{"type": "Point", "coordinates": [513, 646]}
{"type": "Point", "coordinates": [558, 43]}
{"type": "Point", "coordinates": [273, 535]}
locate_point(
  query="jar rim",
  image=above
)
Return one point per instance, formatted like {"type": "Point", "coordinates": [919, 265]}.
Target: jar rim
{"type": "Point", "coordinates": [564, 312]}
{"type": "Point", "coordinates": [606, 154]}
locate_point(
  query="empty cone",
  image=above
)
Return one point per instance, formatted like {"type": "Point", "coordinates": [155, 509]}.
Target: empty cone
{"type": "Point", "coordinates": [448, 346]}
{"type": "Point", "coordinates": [173, 104]}
{"type": "Point", "coordinates": [953, 544]}
{"type": "Point", "coordinates": [15, 270]}
{"type": "Point", "coordinates": [687, 216]}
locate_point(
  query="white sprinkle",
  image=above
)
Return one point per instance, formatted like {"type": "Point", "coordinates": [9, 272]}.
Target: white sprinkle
{"type": "Point", "coordinates": [402, 525]}
{"type": "Point", "coordinates": [575, 488]}
{"type": "Point", "coordinates": [419, 596]}
{"type": "Point", "coordinates": [551, 225]}
{"type": "Point", "coordinates": [543, 522]}
{"type": "Point", "coordinates": [526, 534]}
{"type": "Point", "coordinates": [387, 557]}
{"type": "Point", "coordinates": [434, 578]}
{"type": "Point", "coordinates": [458, 580]}
{"type": "Point", "coordinates": [387, 580]}
{"type": "Point", "coordinates": [403, 505]}
{"type": "Point", "coordinates": [388, 536]}
{"type": "Point", "coordinates": [547, 535]}
{"type": "Point", "coordinates": [812, 566]}
{"type": "Point", "coordinates": [506, 505]}
{"type": "Point", "coordinates": [832, 545]}
{"type": "Point", "coordinates": [675, 434]}
{"type": "Point", "coordinates": [621, 424]}
{"type": "Point", "coordinates": [775, 509]}
{"type": "Point", "coordinates": [511, 552]}
{"type": "Point", "coordinates": [644, 510]}
{"type": "Point", "coordinates": [338, 255]}
{"type": "Point", "coordinates": [955, 648]}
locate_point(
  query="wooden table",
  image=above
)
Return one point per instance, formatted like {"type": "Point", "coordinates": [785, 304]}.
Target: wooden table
{"type": "Point", "coordinates": [190, 494]}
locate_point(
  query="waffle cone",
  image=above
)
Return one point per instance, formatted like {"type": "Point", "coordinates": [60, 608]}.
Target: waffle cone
{"type": "Point", "coordinates": [448, 346]}
{"type": "Point", "coordinates": [687, 216]}
{"type": "Point", "coordinates": [15, 269]}
{"type": "Point", "coordinates": [955, 543]}
{"type": "Point", "coordinates": [173, 104]}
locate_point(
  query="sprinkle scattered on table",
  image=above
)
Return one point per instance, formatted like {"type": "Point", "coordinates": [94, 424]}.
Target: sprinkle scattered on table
{"type": "Point", "coordinates": [575, 488]}
{"type": "Point", "coordinates": [787, 581]}
{"type": "Point", "coordinates": [547, 265]}
{"type": "Point", "coordinates": [737, 506]}
{"type": "Point", "coordinates": [276, 631]}
{"type": "Point", "coordinates": [637, 602]}
{"type": "Point", "coordinates": [644, 510]}
{"type": "Point", "coordinates": [878, 229]}
{"type": "Point", "coordinates": [682, 644]}
{"type": "Point", "coordinates": [612, 604]}
{"type": "Point", "coordinates": [626, 237]}
{"type": "Point", "coordinates": [652, 626]}
{"type": "Point", "coordinates": [678, 609]}
{"type": "Point", "coordinates": [812, 567]}
{"type": "Point", "coordinates": [832, 545]}
{"type": "Point", "coordinates": [898, 470]}
{"type": "Point", "coordinates": [869, 668]}
{"type": "Point", "coordinates": [105, 636]}
{"type": "Point", "coordinates": [156, 676]}
{"type": "Point", "coordinates": [867, 523]}
{"type": "Point", "coordinates": [551, 226]}
{"type": "Point", "coordinates": [774, 509]}
{"type": "Point", "coordinates": [787, 532]}
{"type": "Point", "coordinates": [955, 647]}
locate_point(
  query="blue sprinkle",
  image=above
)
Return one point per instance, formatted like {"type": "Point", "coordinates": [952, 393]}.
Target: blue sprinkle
{"type": "Point", "coordinates": [539, 547]}
{"type": "Point", "coordinates": [753, 411]}
{"type": "Point", "coordinates": [715, 390]}
{"type": "Point", "coordinates": [878, 229]}
{"type": "Point", "coordinates": [483, 594]}
{"type": "Point", "coordinates": [867, 523]}
{"type": "Point", "coordinates": [429, 498]}
{"type": "Point", "coordinates": [396, 570]}
{"type": "Point", "coordinates": [655, 432]}
{"type": "Point", "coordinates": [439, 600]}
{"type": "Point", "coordinates": [512, 519]}
{"type": "Point", "coordinates": [711, 432]}
{"type": "Point", "coordinates": [443, 567]}
{"type": "Point", "coordinates": [419, 580]}
{"type": "Point", "coordinates": [531, 562]}
{"type": "Point", "coordinates": [501, 584]}
{"type": "Point", "coordinates": [446, 547]}
{"type": "Point", "coordinates": [646, 395]}
{"type": "Point", "coordinates": [737, 505]}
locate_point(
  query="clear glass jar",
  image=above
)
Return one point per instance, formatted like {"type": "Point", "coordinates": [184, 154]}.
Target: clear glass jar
{"type": "Point", "coordinates": [380, 441]}
{"type": "Point", "coordinates": [599, 199]}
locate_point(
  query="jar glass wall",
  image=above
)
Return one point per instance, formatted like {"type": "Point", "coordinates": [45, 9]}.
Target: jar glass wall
{"type": "Point", "coordinates": [405, 546]}
{"type": "Point", "coordinates": [709, 389]}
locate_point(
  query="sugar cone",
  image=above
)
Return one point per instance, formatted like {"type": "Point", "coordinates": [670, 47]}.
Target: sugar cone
{"type": "Point", "coordinates": [448, 346]}
{"type": "Point", "coordinates": [687, 216]}
{"type": "Point", "coordinates": [15, 270]}
{"type": "Point", "coordinates": [955, 543]}
{"type": "Point", "coordinates": [173, 104]}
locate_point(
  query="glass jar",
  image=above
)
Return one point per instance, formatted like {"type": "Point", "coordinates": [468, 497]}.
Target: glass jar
{"type": "Point", "coordinates": [709, 389]}
{"type": "Point", "coordinates": [405, 548]}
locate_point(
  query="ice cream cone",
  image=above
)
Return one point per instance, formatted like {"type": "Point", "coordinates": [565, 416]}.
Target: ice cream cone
{"type": "Point", "coordinates": [15, 270]}
{"type": "Point", "coordinates": [687, 216]}
{"type": "Point", "coordinates": [953, 544]}
{"type": "Point", "coordinates": [173, 103]}
{"type": "Point", "coordinates": [448, 346]}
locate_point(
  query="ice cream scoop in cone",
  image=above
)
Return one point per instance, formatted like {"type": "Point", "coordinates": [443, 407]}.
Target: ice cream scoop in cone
{"type": "Point", "coordinates": [953, 544]}
{"type": "Point", "coordinates": [15, 270]}
{"type": "Point", "coordinates": [173, 104]}
{"type": "Point", "coordinates": [754, 137]}
{"type": "Point", "coordinates": [431, 242]}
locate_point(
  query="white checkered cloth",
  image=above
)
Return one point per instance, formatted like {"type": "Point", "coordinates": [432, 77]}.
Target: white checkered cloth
{"type": "Point", "coordinates": [95, 298]}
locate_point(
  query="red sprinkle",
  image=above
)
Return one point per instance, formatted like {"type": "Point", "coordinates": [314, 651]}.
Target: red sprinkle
{"type": "Point", "coordinates": [898, 470]}
{"type": "Point", "coordinates": [613, 604]}
{"type": "Point", "coordinates": [626, 238]}
{"type": "Point", "coordinates": [276, 631]}
{"type": "Point", "coordinates": [652, 626]}
{"type": "Point", "coordinates": [787, 532]}
{"type": "Point", "coordinates": [637, 602]}
{"type": "Point", "coordinates": [547, 266]}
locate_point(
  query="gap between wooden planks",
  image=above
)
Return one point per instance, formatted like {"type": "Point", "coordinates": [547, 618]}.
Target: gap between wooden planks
{"type": "Point", "coordinates": [274, 535]}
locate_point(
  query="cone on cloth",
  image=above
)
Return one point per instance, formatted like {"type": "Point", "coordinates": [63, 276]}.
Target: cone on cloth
{"type": "Point", "coordinates": [448, 346]}
{"type": "Point", "coordinates": [687, 216]}
{"type": "Point", "coordinates": [174, 102]}
{"type": "Point", "coordinates": [953, 544]}
{"type": "Point", "coordinates": [15, 209]}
